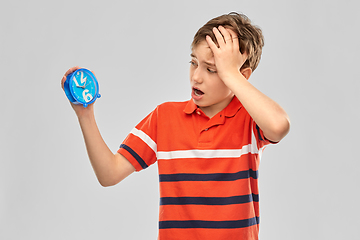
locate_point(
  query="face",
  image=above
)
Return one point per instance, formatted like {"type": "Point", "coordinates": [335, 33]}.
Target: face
{"type": "Point", "coordinates": [208, 91]}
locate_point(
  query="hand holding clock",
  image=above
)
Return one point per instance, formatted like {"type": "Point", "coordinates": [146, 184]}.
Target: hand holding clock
{"type": "Point", "coordinates": [79, 110]}
{"type": "Point", "coordinates": [82, 96]}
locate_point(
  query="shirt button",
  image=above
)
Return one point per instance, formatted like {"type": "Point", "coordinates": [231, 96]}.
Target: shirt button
{"type": "Point", "coordinates": [198, 112]}
{"type": "Point", "coordinates": [206, 129]}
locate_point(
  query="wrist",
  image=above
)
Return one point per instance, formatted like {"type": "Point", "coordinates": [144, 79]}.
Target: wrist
{"type": "Point", "coordinates": [84, 113]}
{"type": "Point", "coordinates": [231, 77]}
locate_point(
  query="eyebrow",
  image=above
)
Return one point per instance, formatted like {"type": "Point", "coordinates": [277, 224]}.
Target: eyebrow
{"type": "Point", "coordinates": [207, 63]}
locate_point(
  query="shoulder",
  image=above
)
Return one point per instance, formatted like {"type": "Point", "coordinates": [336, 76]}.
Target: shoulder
{"type": "Point", "coordinates": [172, 106]}
{"type": "Point", "coordinates": [166, 109]}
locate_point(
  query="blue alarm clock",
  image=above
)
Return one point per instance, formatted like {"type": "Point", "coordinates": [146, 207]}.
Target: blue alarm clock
{"type": "Point", "coordinates": [81, 87]}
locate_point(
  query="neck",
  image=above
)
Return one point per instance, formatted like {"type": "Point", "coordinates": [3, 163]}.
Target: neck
{"type": "Point", "coordinates": [212, 110]}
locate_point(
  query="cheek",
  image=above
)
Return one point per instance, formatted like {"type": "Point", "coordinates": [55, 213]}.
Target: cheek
{"type": "Point", "coordinates": [221, 88]}
{"type": "Point", "coordinates": [219, 84]}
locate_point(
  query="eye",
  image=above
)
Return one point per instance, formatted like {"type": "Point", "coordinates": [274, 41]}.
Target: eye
{"type": "Point", "coordinates": [193, 63]}
{"type": "Point", "coordinates": [211, 71]}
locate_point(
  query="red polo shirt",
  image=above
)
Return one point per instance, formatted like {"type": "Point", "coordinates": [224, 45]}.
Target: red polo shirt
{"type": "Point", "coordinates": [208, 169]}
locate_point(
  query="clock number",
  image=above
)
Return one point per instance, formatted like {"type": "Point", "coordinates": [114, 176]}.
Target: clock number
{"type": "Point", "coordinates": [82, 78]}
{"type": "Point", "coordinates": [76, 83]}
{"type": "Point", "coordinates": [86, 95]}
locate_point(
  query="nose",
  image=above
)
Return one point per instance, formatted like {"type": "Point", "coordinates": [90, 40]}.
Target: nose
{"type": "Point", "coordinates": [197, 76]}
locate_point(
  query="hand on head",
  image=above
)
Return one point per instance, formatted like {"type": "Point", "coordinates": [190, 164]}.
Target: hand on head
{"type": "Point", "coordinates": [227, 55]}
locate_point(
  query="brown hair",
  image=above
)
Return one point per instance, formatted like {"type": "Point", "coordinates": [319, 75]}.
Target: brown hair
{"type": "Point", "coordinates": [250, 36]}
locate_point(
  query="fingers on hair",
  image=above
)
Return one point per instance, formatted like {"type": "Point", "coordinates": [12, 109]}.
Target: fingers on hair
{"type": "Point", "coordinates": [249, 36]}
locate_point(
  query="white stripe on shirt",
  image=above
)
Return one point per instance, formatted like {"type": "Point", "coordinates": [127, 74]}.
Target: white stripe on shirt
{"type": "Point", "coordinates": [145, 138]}
{"type": "Point", "coordinates": [217, 153]}
{"type": "Point", "coordinates": [199, 153]}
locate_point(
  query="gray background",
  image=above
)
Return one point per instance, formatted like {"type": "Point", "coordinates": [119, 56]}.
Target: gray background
{"type": "Point", "coordinates": [139, 51]}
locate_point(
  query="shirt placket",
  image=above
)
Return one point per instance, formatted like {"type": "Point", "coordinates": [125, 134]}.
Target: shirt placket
{"type": "Point", "coordinates": [208, 130]}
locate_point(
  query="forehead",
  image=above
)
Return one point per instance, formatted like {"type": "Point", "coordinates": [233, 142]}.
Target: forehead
{"type": "Point", "coordinates": [202, 51]}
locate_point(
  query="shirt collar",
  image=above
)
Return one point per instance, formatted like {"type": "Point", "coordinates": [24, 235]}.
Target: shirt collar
{"type": "Point", "coordinates": [190, 107]}
{"type": "Point", "coordinates": [233, 107]}
{"type": "Point", "coordinates": [229, 111]}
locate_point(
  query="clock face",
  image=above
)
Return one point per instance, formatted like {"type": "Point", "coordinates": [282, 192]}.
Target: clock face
{"type": "Point", "coordinates": [83, 86]}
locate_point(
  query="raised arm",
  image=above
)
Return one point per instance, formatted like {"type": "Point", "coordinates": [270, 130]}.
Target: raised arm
{"type": "Point", "coordinates": [268, 115]}
{"type": "Point", "coordinates": [109, 168]}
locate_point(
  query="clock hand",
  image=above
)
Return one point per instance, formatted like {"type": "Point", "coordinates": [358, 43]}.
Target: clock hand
{"type": "Point", "coordinates": [84, 85]}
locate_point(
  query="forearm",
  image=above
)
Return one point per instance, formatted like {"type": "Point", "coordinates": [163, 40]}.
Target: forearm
{"type": "Point", "coordinates": [109, 168]}
{"type": "Point", "coordinates": [268, 115]}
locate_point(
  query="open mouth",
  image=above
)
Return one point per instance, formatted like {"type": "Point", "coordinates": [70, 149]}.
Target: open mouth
{"type": "Point", "coordinates": [197, 92]}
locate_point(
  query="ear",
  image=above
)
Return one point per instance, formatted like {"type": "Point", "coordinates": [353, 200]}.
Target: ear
{"type": "Point", "coordinates": [246, 72]}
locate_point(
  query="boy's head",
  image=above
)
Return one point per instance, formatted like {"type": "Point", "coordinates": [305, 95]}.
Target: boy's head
{"type": "Point", "coordinates": [250, 36]}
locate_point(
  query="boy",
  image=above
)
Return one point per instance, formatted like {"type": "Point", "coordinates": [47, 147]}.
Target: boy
{"type": "Point", "coordinates": [208, 148]}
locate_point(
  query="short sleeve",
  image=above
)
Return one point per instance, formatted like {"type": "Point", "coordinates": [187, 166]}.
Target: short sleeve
{"type": "Point", "coordinates": [259, 136]}
{"type": "Point", "coordinates": [140, 146]}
